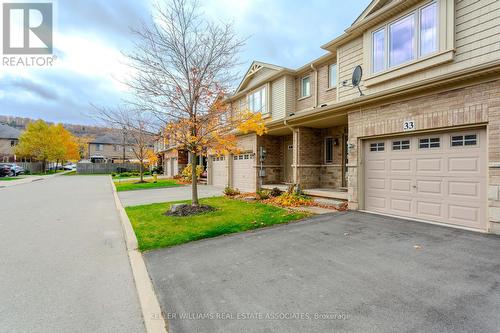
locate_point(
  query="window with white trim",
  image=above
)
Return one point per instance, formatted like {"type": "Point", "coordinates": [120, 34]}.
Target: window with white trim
{"type": "Point", "coordinates": [463, 140]}
{"type": "Point", "coordinates": [332, 76]}
{"type": "Point", "coordinates": [329, 150]}
{"type": "Point", "coordinates": [406, 39]}
{"type": "Point", "coordinates": [305, 86]}
{"type": "Point", "coordinates": [99, 147]}
{"type": "Point", "coordinates": [401, 145]}
{"type": "Point", "coordinates": [429, 143]}
{"type": "Point", "coordinates": [257, 101]}
{"type": "Point", "coordinates": [377, 146]}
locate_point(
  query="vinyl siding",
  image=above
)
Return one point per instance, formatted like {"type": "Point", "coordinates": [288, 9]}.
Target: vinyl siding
{"type": "Point", "coordinates": [476, 41]}
{"type": "Point", "coordinates": [290, 94]}
{"type": "Point", "coordinates": [259, 76]}
{"type": "Point", "coordinates": [278, 107]}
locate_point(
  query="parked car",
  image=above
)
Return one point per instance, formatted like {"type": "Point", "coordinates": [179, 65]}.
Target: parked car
{"type": "Point", "coordinates": [17, 170]}
{"type": "Point", "coordinates": [71, 166]}
{"type": "Point", "coordinates": [5, 170]}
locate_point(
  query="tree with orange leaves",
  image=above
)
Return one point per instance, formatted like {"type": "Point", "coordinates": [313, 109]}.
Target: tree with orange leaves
{"type": "Point", "coordinates": [183, 66]}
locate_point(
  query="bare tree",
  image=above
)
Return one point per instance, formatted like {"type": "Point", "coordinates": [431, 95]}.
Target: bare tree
{"type": "Point", "coordinates": [183, 65]}
{"type": "Point", "coordinates": [137, 128]}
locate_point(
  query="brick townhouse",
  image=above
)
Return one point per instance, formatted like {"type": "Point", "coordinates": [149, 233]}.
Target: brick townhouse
{"type": "Point", "coordinates": [422, 141]}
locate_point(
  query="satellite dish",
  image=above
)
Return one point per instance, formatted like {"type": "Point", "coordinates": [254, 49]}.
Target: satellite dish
{"type": "Point", "coordinates": [357, 75]}
{"type": "Point", "coordinates": [356, 78]}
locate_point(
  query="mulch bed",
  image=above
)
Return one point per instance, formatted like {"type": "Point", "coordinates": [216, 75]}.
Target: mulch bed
{"type": "Point", "coordinates": [188, 210]}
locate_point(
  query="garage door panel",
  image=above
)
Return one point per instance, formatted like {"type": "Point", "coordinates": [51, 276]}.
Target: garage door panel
{"type": "Point", "coordinates": [399, 165]}
{"type": "Point", "coordinates": [401, 206]}
{"type": "Point", "coordinates": [244, 172]}
{"type": "Point", "coordinates": [464, 189]}
{"type": "Point", "coordinates": [429, 165]}
{"type": "Point", "coordinates": [401, 185]}
{"type": "Point", "coordinates": [219, 171]}
{"type": "Point", "coordinates": [434, 187]}
{"type": "Point", "coordinates": [429, 209]}
{"type": "Point", "coordinates": [444, 184]}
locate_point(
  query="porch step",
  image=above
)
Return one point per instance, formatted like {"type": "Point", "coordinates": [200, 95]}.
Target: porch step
{"type": "Point", "coordinates": [327, 193]}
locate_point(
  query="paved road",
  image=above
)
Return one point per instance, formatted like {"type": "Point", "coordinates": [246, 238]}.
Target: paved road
{"type": "Point", "coordinates": [144, 197]}
{"type": "Point", "coordinates": [362, 269]}
{"type": "Point", "coordinates": [63, 263]}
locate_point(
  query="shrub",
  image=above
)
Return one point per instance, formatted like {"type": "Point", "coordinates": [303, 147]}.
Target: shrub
{"type": "Point", "coordinates": [186, 173]}
{"type": "Point", "coordinates": [263, 194]}
{"type": "Point", "coordinates": [231, 192]}
{"type": "Point", "coordinates": [291, 200]}
{"type": "Point", "coordinates": [113, 174]}
{"type": "Point", "coordinates": [275, 192]}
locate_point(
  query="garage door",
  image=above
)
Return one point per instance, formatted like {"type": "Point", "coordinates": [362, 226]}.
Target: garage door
{"type": "Point", "coordinates": [244, 172]}
{"type": "Point", "coordinates": [175, 167]}
{"type": "Point", "coordinates": [219, 171]}
{"type": "Point", "coordinates": [167, 167]}
{"type": "Point", "coordinates": [434, 177]}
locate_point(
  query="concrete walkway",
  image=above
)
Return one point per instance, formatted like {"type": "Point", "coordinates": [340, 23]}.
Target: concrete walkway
{"type": "Point", "coordinates": [64, 266]}
{"type": "Point", "coordinates": [144, 197]}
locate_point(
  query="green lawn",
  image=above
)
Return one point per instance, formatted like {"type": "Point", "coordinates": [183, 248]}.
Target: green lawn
{"type": "Point", "coordinates": [6, 179]}
{"type": "Point", "coordinates": [130, 185]}
{"type": "Point", "coordinates": [155, 230]}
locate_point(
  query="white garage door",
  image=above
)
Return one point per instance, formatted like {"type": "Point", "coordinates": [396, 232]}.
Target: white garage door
{"type": "Point", "coordinates": [167, 167]}
{"type": "Point", "coordinates": [175, 167]}
{"type": "Point", "coordinates": [434, 177]}
{"type": "Point", "coordinates": [219, 171]}
{"type": "Point", "coordinates": [244, 172]}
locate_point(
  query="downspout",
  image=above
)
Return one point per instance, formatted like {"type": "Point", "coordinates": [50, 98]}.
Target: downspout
{"type": "Point", "coordinates": [316, 85]}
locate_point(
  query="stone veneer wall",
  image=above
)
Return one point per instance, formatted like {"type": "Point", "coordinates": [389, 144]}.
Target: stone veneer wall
{"type": "Point", "coordinates": [273, 164]}
{"type": "Point", "coordinates": [308, 151]}
{"type": "Point", "coordinates": [477, 104]}
{"type": "Point", "coordinates": [331, 174]}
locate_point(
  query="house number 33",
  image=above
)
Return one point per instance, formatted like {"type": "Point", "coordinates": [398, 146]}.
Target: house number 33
{"type": "Point", "coordinates": [409, 125]}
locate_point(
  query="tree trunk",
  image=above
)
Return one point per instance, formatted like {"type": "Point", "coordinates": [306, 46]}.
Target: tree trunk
{"type": "Point", "coordinates": [194, 181]}
{"type": "Point", "coordinates": [141, 171]}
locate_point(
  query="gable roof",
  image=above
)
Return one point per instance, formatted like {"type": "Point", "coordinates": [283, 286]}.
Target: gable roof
{"type": "Point", "coordinates": [374, 6]}
{"type": "Point", "coordinates": [8, 132]}
{"type": "Point", "coordinates": [255, 67]}
{"type": "Point", "coordinates": [109, 139]}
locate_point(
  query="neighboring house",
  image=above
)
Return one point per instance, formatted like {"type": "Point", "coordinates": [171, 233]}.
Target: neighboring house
{"type": "Point", "coordinates": [9, 137]}
{"type": "Point", "coordinates": [111, 147]}
{"type": "Point", "coordinates": [422, 142]}
{"type": "Point", "coordinates": [172, 160]}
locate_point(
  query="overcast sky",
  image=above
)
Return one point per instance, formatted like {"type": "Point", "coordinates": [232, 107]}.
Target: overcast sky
{"type": "Point", "coordinates": [90, 35]}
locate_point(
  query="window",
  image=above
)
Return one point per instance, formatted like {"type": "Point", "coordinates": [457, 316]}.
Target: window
{"type": "Point", "coordinates": [406, 39]}
{"type": "Point", "coordinates": [428, 29]}
{"type": "Point", "coordinates": [257, 101]}
{"type": "Point", "coordinates": [115, 148]}
{"type": "Point", "coordinates": [378, 146]}
{"type": "Point", "coordinates": [429, 143]}
{"type": "Point", "coordinates": [463, 140]}
{"type": "Point", "coordinates": [329, 150]}
{"type": "Point", "coordinates": [13, 143]}
{"type": "Point", "coordinates": [332, 76]}
{"type": "Point", "coordinates": [379, 51]}
{"type": "Point", "coordinates": [305, 87]}
{"type": "Point", "coordinates": [402, 41]}
{"type": "Point", "coordinates": [99, 147]}
{"type": "Point", "coordinates": [401, 145]}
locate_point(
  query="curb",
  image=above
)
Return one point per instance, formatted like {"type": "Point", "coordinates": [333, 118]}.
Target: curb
{"type": "Point", "coordinates": [151, 311]}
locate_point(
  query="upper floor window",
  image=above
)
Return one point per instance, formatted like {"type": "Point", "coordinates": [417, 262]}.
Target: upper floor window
{"type": "Point", "coordinates": [332, 76]}
{"type": "Point", "coordinates": [257, 101]}
{"type": "Point", "coordinates": [13, 143]}
{"type": "Point", "coordinates": [406, 39]}
{"type": "Point", "coordinates": [305, 87]}
{"type": "Point", "coordinates": [99, 147]}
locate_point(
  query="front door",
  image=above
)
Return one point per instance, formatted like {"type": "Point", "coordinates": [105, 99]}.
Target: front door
{"type": "Point", "coordinates": [289, 162]}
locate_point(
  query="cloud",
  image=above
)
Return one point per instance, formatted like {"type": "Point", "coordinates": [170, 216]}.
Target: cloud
{"type": "Point", "coordinates": [90, 36]}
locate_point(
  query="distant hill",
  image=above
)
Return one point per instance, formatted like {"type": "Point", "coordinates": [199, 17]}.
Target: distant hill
{"type": "Point", "coordinates": [78, 130]}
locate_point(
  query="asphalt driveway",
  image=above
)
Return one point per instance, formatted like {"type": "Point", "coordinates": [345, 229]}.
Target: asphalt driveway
{"type": "Point", "coordinates": [357, 272]}
{"type": "Point", "coordinates": [63, 262]}
{"type": "Point", "coordinates": [159, 195]}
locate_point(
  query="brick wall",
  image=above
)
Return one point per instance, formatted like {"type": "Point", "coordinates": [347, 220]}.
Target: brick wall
{"type": "Point", "coordinates": [465, 106]}
{"type": "Point", "coordinates": [331, 174]}
{"type": "Point", "coordinates": [309, 157]}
